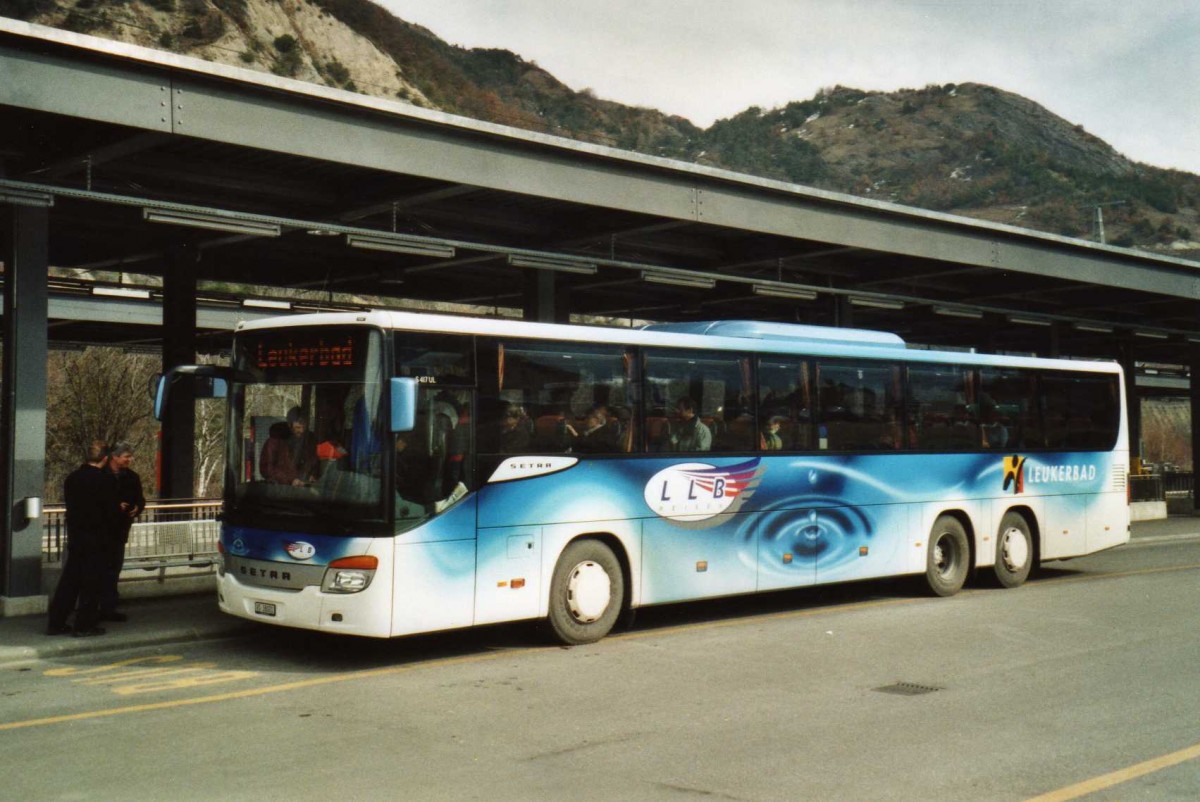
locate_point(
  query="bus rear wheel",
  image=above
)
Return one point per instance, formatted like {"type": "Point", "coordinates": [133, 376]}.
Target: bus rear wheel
{"type": "Point", "coordinates": [948, 557]}
{"type": "Point", "coordinates": [586, 592]}
{"type": "Point", "coordinates": [1014, 551]}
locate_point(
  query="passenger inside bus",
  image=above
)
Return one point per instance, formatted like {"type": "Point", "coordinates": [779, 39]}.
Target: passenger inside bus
{"type": "Point", "coordinates": [771, 439]}
{"type": "Point", "coordinates": [427, 477]}
{"type": "Point", "coordinates": [289, 456]}
{"type": "Point", "coordinates": [516, 430]}
{"type": "Point", "coordinates": [596, 435]}
{"type": "Point", "coordinates": [995, 433]}
{"type": "Point", "coordinates": [690, 433]}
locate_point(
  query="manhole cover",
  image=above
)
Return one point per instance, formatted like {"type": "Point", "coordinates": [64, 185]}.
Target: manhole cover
{"type": "Point", "coordinates": [908, 689]}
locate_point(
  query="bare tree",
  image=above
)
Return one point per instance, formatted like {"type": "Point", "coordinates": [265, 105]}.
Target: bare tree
{"type": "Point", "coordinates": [98, 393]}
{"type": "Point", "coordinates": [210, 440]}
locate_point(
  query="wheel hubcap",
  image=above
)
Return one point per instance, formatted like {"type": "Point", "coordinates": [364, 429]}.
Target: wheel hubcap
{"type": "Point", "coordinates": [944, 555]}
{"type": "Point", "coordinates": [1016, 549]}
{"type": "Point", "coordinates": [589, 592]}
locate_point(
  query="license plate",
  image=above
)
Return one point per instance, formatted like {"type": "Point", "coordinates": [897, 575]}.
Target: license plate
{"type": "Point", "coordinates": [264, 608]}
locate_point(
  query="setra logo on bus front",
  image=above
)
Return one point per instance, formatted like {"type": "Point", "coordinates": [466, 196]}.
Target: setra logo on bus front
{"type": "Point", "coordinates": [695, 491]}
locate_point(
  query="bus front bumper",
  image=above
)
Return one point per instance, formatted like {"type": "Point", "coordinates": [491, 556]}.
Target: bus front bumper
{"type": "Point", "coordinates": [366, 613]}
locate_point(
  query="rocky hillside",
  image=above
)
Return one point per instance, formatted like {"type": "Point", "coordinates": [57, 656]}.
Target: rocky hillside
{"type": "Point", "coordinates": [967, 149]}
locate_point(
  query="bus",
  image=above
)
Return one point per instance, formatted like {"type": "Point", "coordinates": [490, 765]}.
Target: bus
{"type": "Point", "coordinates": [391, 473]}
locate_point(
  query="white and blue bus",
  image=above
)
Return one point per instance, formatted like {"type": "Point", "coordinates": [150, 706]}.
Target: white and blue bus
{"type": "Point", "coordinates": [393, 473]}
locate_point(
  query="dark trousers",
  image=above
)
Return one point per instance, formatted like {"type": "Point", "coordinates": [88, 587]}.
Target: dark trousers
{"type": "Point", "coordinates": [115, 558]}
{"type": "Point", "coordinates": [80, 584]}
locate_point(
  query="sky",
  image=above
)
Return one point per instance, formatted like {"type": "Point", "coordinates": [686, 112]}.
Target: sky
{"type": "Point", "coordinates": [1128, 72]}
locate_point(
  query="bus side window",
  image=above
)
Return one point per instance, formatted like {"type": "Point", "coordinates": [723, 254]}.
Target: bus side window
{"type": "Point", "coordinates": [559, 384]}
{"type": "Point", "coordinates": [697, 401]}
{"type": "Point", "coordinates": [785, 397]}
{"type": "Point", "coordinates": [860, 405]}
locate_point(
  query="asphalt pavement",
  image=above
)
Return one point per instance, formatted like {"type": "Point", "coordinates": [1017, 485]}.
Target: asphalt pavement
{"type": "Point", "coordinates": [180, 619]}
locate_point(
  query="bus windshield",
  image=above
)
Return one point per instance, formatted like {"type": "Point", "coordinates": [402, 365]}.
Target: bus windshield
{"type": "Point", "coordinates": [306, 432]}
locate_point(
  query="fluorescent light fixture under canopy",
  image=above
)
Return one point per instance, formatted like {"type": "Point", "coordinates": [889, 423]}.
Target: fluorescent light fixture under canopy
{"type": "Point", "coordinates": [679, 280]}
{"type": "Point", "coordinates": [211, 222]}
{"type": "Point", "coordinates": [954, 311]}
{"type": "Point", "coordinates": [24, 197]}
{"type": "Point", "coordinates": [790, 293]}
{"type": "Point", "coordinates": [399, 243]}
{"type": "Point", "coordinates": [876, 303]}
{"type": "Point", "coordinates": [1028, 321]}
{"type": "Point", "coordinates": [556, 265]}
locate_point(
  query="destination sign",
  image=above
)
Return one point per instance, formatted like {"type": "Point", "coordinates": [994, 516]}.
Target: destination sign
{"type": "Point", "coordinates": [318, 350]}
{"type": "Point", "coordinates": [275, 355]}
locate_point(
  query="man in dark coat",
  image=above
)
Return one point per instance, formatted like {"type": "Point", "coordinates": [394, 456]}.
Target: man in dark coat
{"type": "Point", "coordinates": [91, 500]}
{"type": "Point", "coordinates": [131, 501]}
{"type": "Point", "coordinates": [598, 435]}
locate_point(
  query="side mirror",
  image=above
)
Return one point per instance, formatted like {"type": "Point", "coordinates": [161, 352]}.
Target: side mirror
{"type": "Point", "coordinates": [203, 381]}
{"type": "Point", "coordinates": [404, 404]}
{"type": "Point", "coordinates": [160, 395]}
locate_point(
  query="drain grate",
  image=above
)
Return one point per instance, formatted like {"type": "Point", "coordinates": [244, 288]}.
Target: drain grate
{"type": "Point", "coordinates": [908, 689]}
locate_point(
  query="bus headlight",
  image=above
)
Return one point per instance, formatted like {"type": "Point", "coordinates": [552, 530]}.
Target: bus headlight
{"type": "Point", "coordinates": [349, 574]}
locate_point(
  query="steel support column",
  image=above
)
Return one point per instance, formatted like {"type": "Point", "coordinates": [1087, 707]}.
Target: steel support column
{"type": "Point", "coordinates": [1194, 398]}
{"type": "Point", "coordinates": [545, 299]}
{"type": "Point", "coordinates": [24, 251]}
{"type": "Point", "coordinates": [1133, 401]}
{"type": "Point", "coordinates": [843, 312]}
{"type": "Point", "coordinates": [179, 348]}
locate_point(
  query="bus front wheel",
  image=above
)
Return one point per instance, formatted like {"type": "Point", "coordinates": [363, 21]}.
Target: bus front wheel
{"type": "Point", "coordinates": [948, 557]}
{"type": "Point", "coordinates": [1014, 551]}
{"type": "Point", "coordinates": [586, 592]}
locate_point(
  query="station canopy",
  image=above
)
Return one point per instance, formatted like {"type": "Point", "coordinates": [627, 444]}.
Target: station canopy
{"type": "Point", "coordinates": [151, 160]}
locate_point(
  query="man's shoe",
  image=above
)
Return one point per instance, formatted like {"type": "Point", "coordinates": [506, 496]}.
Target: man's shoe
{"type": "Point", "coordinates": [56, 629]}
{"type": "Point", "coordinates": [89, 633]}
{"type": "Point", "coordinates": [114, 616]}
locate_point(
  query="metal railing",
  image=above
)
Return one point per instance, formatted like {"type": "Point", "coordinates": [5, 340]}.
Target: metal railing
{"type": "Point", "coordinates": [1146, 487]}
{"type": "Point", "coordinates": [166, 534]}
{"type": "Point", "coordinates": [1178, 484]}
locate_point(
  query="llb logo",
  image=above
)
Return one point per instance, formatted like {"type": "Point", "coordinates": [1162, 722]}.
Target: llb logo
{"type": "Point", "coordinates": [697, 492]}
{"type": "Point", "coordinates": [1014, 474]}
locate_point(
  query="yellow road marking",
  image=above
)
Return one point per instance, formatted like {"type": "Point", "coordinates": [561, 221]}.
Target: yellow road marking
{"type": "Point", "coordinates": [1124, 775]}
{"type": "Point", "coordinates": [263, 691]}
{"type": "Point", "coordinates": [71, 671]}
{"type": "Point", "coordinates": [387, 671]}
{"type": "Point", "coordinates": [392, 670]}
{"type": "Point", "coordinates": [137, 674]}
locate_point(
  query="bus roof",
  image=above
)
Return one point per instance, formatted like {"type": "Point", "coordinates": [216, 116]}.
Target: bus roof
{"type": "Point", "coordinates": [727, 335]}
{"type": "Point", "coordinates": [789, 332]}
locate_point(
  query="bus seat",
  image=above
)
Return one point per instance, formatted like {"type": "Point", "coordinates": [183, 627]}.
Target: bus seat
{"type": "Point", "coordinates": [658, 432]}
{"type": "Point", "coordinates": [546, 426]}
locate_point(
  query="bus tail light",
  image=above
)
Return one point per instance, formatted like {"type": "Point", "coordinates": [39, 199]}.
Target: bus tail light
{"type": "Point", "coordinates": [220, 558]}
{"type": "Point", "coordinates": [349, 574]}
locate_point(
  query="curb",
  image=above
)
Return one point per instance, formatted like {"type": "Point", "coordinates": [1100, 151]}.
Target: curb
{"type": "Point", "coordinates": [67, 646]}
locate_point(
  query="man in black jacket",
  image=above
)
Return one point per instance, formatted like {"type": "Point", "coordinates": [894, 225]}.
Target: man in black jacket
{"type": "Point", "coordinates": [131, 501]}
{"type": "Point", "coordinates": [91, 500]}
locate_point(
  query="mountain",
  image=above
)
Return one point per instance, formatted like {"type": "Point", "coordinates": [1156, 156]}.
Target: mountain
{"type": "Point", "coordinates": [967, 149]}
